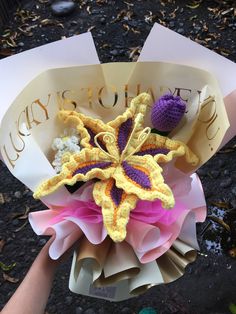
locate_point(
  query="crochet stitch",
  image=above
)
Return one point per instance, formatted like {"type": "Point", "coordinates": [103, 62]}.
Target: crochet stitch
{"type": "Point", "coordinates": [167, 112]}
{"type": "Point", "coordinates": [125, 157]}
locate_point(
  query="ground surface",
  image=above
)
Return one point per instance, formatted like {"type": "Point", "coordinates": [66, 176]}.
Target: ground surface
{"type": "Point", "coordinates": [119, 29]}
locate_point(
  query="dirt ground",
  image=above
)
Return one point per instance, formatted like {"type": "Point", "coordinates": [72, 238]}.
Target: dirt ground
{"type": "Point", "coordinates": [119, 29]}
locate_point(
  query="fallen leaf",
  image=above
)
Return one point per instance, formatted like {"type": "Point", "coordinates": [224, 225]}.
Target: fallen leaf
{"type": "Point", "coordinates": [48, 22]}
{"type": "Point", "coordinates": [135, 31]}
{"type": "Point", "coordinates": [220, 222]}
{"type": "Point", "coordinates": [221, 204]}
{"type": "Point", "coordinates": [21, 227]}
{"type": "Point", "coordinates": [232, 252]}
{"type": "Point", "coordinates": [193, 17]}
{"type": "Point", "coordinates": [88, 9]}
{"type": "Point", "coordinates": [2, 201]}
{"type": "Point", "coordinates": [193, 6]}
{"type": "Point", "coordinates": [2, 243]}
{"type": "Point", "coordinates": [5, 53]}
{"type": "Point", "coordinates": [227, 11]}
{"type": "Point", "coordinates": [25, 215]}
{"type": "Point", "coordinates": [134, 52]}
{"type": "Point", "coordinates": [5, 267]}
{"type": "Point", "coordinates": [9, 278]}
{"type": "Point", "coordinates": [227, 150]}
{"type": "Point", "coordinates": [21, 215]}
{"type": "Point", "coordinates": [90, 28]}
{"type": "Point", "coordinates": [232, 308]}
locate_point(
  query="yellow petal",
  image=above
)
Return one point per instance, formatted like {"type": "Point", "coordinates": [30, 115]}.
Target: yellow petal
{"type": "Point", "coordinates": [138, 104]}
{"type": "Point", "coordinates": [83, 166]}
{"type": "Point", "coordinates": [116, 206]}
{"type": "Point", "coordinates": [87, 127]}
{"type": "Point", "coordinates": [176, 149]}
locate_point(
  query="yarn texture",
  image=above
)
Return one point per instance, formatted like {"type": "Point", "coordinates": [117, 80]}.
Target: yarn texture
{"type": "Point", "coordinates": [125, 158]}
{"type": "Point", "coordinates": [167, 112]}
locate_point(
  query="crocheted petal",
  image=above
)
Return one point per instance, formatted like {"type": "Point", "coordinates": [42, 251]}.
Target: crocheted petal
{"type": "Point", "coordinates": [116, 206]}
{"type": "Point", "coordinates": [87, 127]}
{"type": "Point", "coordinates": [123, 133]}
{"type": "Point", "coordinates": [142, 176]}
{"type": "Point", "coordinates": [84, 166]}
{"type": "Point", "coordinates": [169, 149]}
{"type": "Point", "coordinates": [138, 104]}
{"type": "Point", "coordinates": [151, 149]}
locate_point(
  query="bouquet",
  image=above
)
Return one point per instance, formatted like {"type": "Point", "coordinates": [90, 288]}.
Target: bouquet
{"type": "Point", "coordinates": [111, 150]}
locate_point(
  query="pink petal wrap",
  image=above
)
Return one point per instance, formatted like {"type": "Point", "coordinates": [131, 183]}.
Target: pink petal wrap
{"type": "Point", "coordinates": [151, 229]}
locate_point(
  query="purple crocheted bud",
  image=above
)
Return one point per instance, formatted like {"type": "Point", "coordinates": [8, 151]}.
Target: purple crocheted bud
{"type": "Point", "coordinates": [167, 112]}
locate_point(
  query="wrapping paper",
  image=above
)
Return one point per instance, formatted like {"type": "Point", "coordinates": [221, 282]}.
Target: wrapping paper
{"type": "Point", "coordinates": [101, 94]}
{"type": "Point", "coordinates": [181, 50]}
{"type": "Point", "coordinates": [159, 244]}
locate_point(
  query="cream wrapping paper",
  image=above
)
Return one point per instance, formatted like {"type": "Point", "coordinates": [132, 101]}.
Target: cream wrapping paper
{"type": "Point", "coordinates": [18, 70]}
{"type": "Point", "coordinates": [85, 89]}
{"type": "Point", "coordinates": [131, 278]}
{"type": "Point", "coordinates": [166, 45]}
{"type": "Point", "coordinates": [104, 91]}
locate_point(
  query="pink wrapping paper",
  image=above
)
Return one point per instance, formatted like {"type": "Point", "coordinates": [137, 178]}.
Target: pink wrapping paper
{"type": "Point", "coordinates": [151, 229]}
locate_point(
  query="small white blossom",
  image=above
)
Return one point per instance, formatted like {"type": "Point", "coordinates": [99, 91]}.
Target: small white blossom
{"type": "Point", "coordinates": [68, 142]}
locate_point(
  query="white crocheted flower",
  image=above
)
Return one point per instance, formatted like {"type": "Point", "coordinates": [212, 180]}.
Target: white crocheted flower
{"type": "Point", "coordinates": [68, 142]}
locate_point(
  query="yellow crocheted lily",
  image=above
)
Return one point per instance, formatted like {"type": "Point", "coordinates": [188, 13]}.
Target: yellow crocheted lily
{"type": "Point", "coordinates": [124, 156]}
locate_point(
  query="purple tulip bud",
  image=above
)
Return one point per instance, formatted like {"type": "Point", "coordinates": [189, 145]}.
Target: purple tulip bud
{"type": "Point", "coordinates": [167, 112]}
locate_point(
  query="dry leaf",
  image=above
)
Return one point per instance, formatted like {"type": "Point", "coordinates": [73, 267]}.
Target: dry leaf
{"type": "Point", "coordinates": [5, 267]}
{"type": "Point", "coordinates": [221, 204]}
{"type": "Point", "coordinates": [220, 222]}
{"type": "Point", "coordinates": [90, 28]}
{"type": "Point", "coordinates": [193, 6]}
{"type": "Point", "coordinates": [134, 52]}
{"type": "Point", "coordinates": [88, 9]}
{"type": "Point", "coordinates": [48, 22]}
{"type": "Point", "coordinates": [2, 243]}
{"type": "Point", "coordinates": [232, 252]}
{"type": "Point", "coordinates": [21, 215]}
{"type": "Point", "coordinates": [25, 215]}
{"type": "Point", "coordinates": [2, 201]}
{"type": "Point", "coordinates": [21, 227]}
{"type": "Point", "coordinates": [9, 278]}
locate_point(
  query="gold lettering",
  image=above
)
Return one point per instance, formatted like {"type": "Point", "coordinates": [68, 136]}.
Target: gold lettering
{"type": "Point", "coordinates": [151, 93]}
{"type": "Point", "coordinates": [68, 101]}
{"type": "Point", "coordinates": [30, 110]}
{"type": "Point", "coordinates": [208, 128]}
{"type": "Point", "coordinates": [89, 91]}
{"type": "Point", "coordinates": [129, 98]}
{"type": "Point", "coordinates": [18, 125]}
{"type": "Point", "coordinates": [59, 101]}
{"type": "Point", "coordinates": [126, 95]}
{"type": "Point", "coordinates": [14, 146]}
{"type": "Point", "coordinates": [29, 121]}
{"type": "Point", "coordinates": [63, 101]}
{"type": "Point", "coordinates": [210, 101]}
{"type": "Point", "coordinates": [179, 92]}
{"type": "Point", "coordinates": [183, 93]}
{"type": "Point", "coordinates": [10, 160]}
{"type": "Point", "coordinates": [100, 93]}
{"type": "Point", "coordinates": [165, 89]}
{"type": "Point", "coordinates": [138, 89]}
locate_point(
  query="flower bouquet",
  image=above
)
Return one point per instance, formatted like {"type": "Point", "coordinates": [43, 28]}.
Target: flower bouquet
{"type": "Point", "coordinates": [111, 150]}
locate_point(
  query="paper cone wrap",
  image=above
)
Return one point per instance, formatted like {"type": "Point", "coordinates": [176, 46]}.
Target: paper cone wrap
{"type": "Point", "coordinates": [159, 244]}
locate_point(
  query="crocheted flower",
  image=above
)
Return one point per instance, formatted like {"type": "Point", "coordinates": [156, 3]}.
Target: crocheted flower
{"type": "Point", "coordinates": [125, 157]}
{"type": "Point", "coordinates": [151, 230]}
{"type": "Point", "coordinates": [167, 112]}
{"type": "Point", "coordinates": [68, 142]}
